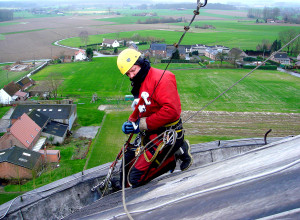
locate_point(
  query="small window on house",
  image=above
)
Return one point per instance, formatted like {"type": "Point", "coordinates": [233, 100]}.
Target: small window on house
{"type": "Point", "coordinates": [23, 160]}
{"type": "Point", "coordinates": [39, 109]}
{"type": "Point", "coordinates": [50, 110]}
{"type": "Point", "coordinates": [31, 135]}
{"type": "Point", "coordinates": [30, 109]}
{"type": "Point", "coordinates": [26, 154]}
{"type": "Point", "coordinates": [27, 142]}
{"type": "Point", "coordinates": [44, 109]}
{"type": "Point", "coordinates": [37, 115]}
{"type": "Point", "coordinates": [59, 110]}
{"type": "Point", "coordinates": [2, 153]}
{"type": "Point", "coordinates": [37, 129]}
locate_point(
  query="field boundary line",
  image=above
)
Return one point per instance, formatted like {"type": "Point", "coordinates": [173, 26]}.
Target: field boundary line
{"type": "Point", "coordinates": [93, 144]}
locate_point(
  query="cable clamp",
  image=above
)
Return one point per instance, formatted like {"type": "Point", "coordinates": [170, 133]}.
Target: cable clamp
{"type": "Point", "coordinates": [186, 28]}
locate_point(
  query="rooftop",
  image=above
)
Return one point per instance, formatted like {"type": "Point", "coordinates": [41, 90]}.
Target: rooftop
{"type": "Point", "coordinates": [52, 111]}
{"type": "Point", "coordinates": [19, 156]}
{"type": "Point", "coordinates": [236, 179]}
{"type": "Point", "coordinates": [56, 128]}
{"type": "Point", "coordinates": [25, 130]}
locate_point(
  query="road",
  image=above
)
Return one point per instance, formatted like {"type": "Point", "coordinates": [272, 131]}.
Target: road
{"type": "Point", "coordinates": [289, 72]}
{"type": "Point", "coordinates": [4, 121]}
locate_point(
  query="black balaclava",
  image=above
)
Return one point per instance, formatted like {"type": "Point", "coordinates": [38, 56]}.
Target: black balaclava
{"type": "Point", "coordinates": [136, 82]}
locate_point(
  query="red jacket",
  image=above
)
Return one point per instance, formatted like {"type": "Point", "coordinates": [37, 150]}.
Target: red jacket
{"type": "Point", "coordinates": [165, 104]}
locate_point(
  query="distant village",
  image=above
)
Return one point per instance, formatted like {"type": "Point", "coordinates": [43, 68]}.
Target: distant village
{"type": "Point", "coordinates": [34, 124]}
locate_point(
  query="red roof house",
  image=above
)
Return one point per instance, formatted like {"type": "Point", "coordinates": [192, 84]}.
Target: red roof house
{"type": "Point", "coordinates": [26, 131]}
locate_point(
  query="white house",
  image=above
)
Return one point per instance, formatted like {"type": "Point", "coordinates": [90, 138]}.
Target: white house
{"type": "Point", "coordinates": [110, 43]}
{"type": "Point", "coordinates": [200, 48]}
{"type": "Point", "coordinates": [281, 58]}
{"type": "Point", "coordinates": [8, 92]}
{"type": "Point", "coordinates": [80, 55]}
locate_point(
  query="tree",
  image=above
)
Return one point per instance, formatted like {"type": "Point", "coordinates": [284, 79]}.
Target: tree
{"type": "Point", "coordinates": [276, 45]}
{"type": "Point", "coordinates": [89, 53]}
{"type": "Point", "coordinates": [115, 50]}
{"type": "Point", "coordinates": [275, 13]}
{"type": "Point", "coordinates": [264, 46]}
{"type": "Point", "coordinates": [287, 36]}
{"type": "Point", "coordinates": [235, 54]}
{"type": "Point", "coordinates": [84, 37]}
{"type": "Point", "coordinates": [6, 15]}
{"type": "Point", "coordinates": [62, 56]}
{"type": "Point", "coordinates": [175, 55]}
{"type": "Point", "coordinates": [53, 81]}
{"type": "Point", "coordinates": [221, 56]}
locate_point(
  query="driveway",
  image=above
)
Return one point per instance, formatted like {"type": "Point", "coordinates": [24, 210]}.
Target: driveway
{"type": "Point", "coordinates": [88, 132]}
{"type": "Point", "coordinates": [4, 121]}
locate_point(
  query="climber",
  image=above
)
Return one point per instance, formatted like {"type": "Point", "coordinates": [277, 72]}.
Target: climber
{"type": "Point", "coordinates": [162, 115]}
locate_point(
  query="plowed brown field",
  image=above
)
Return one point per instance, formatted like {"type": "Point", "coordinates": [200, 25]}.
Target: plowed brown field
{"type": "Point", "coordinates": [29, 44]}
{"type": "Point", "coordinates": [243, 124]}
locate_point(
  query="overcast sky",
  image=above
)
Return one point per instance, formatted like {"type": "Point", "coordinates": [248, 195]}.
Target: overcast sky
{"type": "Point", "coordinates": [252, 2]}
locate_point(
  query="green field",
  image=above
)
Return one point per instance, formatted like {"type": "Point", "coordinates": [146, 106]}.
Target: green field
{"type": "Point", "coordinates": [262, 91]}
{"type": "Point", "coordinates": [85, 78]}
{"type": "Point", "coordinates": [9, 23]}
{"type": "Point", "coordinates": [3, 110]}
{"type": "Point", "coordinates": [230, 33]}
{"type": "Point", "coordinates": [8, 76]}
{"type": "Point", "coordinates": [20, 32]}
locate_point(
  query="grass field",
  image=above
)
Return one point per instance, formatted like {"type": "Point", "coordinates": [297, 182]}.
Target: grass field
{"type": "Point", "coordinates": [230, 33]}
{"type": "Point", "coordinates": [3, 110]}
{"type": "Point", "coordinates": [100, 76]}
{"type": "Point", "coordinates": [110, 140]}
{"type": "Point", "coordinates": [261, 91]}
{"type": "Point", "coordinates": [8, 76]}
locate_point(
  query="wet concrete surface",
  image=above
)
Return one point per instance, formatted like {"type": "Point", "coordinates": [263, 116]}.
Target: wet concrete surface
{"type": "Point", "coordinates": [87, 132]}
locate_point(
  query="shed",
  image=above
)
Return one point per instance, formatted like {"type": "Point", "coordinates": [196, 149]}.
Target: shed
{"type": "Point", "coordinates": [50, 156]}
{"type": "Point", "coordinates": [20, 163]}
{"type": "Point", "coordinates": [129, 97]}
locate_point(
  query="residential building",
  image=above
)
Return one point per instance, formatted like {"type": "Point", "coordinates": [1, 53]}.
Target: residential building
{"type": "Point", "coordinates": [8, 141]}
{"type": "Point", "coordinates": [110, 43]}
{"type": "Point", "coordinates": [236, 54]}
{"type": "Point", "coordinates": [200, 48]}
{"type": "Point", "coordinates": [212, 51]}
{"type": "Point", "coordinates": [20, 96]}
{"type": "Point", "coordinates": [56, 132]}
{"type": "Point", "coordinates": [181, 49]}
{"type": "Point", "coordinates": [80, 55]}
{"type": "Point", "coordinates": [65, 114]}
{"type": "Point", "coordinates": [25, 82]}
{"type": "Point", "coordinates": [281, 58]}
{"type": "Point", "coordinates": [50, 156]}
{"type": "Point", "coordinates": [159, 50]}
{"type": "Point", "coordinates": [7, 93]}
{"type": "Point", "coordinates": [26, 131]}
{"type": "Point", "coordinates": [19, 163]}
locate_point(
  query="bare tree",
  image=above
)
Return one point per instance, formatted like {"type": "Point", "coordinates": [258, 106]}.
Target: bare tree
{"type": "Point", "coordinates": [235, 54]}
{"type": "Point", "coordinates": [264, 46]}
{"type": "Point", "coordinates": [53, 81]}
{"type": "Point", "coordinates": [221, 56]}
{"type": "Point", "coordinates": [84, 37]}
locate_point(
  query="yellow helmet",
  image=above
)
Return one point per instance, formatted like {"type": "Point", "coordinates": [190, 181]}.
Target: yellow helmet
{"type": "Point", "coordinates": [127, 59]}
